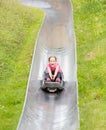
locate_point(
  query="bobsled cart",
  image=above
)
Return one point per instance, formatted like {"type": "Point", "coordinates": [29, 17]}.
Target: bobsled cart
{"type": "Point", "coordinates": [52, 86]}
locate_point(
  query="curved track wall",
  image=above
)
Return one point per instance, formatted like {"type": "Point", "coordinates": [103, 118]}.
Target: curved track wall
{"type": "Point", "coordinates": [44, 111]}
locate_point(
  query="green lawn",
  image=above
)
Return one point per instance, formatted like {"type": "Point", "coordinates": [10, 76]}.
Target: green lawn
{"type": "Point", "coordinates": [92, 85]}
{"type": "Point", "coordinates": [90, 28]}
{"type": "Point", "coordinates": [18, 32]}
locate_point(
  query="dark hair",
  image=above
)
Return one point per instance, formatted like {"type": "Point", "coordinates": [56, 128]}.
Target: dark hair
{"type": "Point", "coordinates": [52, 57]}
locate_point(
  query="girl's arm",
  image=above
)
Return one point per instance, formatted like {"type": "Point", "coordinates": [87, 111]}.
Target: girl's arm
{"type": "Point", "coordinates": [56, 71]}
{"type": "Point", "coordinates": [49, 71]}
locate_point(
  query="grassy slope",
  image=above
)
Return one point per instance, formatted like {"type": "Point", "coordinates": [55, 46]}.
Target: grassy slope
{"type": "Point", "coordinates": [89, 18]}
{"type": "Point", "coordinates": [18, 32]}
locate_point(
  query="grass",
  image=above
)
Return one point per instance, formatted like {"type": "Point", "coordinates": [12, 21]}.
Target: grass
{"type": "Point", "coordinates": [91, 77]}
{"type": "Point", "coordinates": [89, 22]}
{"type": "Point", "coordinates": [18, 32]}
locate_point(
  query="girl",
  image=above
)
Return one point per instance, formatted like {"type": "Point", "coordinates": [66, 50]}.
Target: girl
{"type": "Point", "coordinates": [53, 71]}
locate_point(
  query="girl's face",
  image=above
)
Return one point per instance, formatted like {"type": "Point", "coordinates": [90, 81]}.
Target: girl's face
{"type": "Point", "coordinates": [52, 61]}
